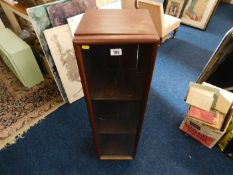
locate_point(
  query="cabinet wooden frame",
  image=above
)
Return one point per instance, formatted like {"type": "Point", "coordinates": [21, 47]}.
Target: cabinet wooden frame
{"type": "Point", "coordinates": [89, 104]}
{"type": "Point", "coordinates": [113, 142]}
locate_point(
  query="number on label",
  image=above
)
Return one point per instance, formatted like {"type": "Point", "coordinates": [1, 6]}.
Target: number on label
{"type": "Point", "coordinates": [115, 52]}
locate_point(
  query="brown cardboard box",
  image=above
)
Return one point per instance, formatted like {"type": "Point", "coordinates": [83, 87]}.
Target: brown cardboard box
{"type": "Point", "coordinates": [203, 133]}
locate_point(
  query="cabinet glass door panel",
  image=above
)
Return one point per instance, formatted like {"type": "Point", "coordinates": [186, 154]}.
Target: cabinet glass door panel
{"type": "Point", "coordinates": [116, 116]}
{"type": "Point", "coordinates": [115, 72]}
{"type": "Point", "coordinates": [116, 145]}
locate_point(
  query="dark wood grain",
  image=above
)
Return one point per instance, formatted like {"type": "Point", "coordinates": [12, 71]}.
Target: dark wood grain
{"type": "Point", "coordinates": [111, 22]}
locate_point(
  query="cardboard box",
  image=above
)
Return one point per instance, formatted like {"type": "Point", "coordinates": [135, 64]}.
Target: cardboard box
{"type": "Point", "coordinates": [203, 133]}
{"type": "Point", "coordinates": [228, 136]}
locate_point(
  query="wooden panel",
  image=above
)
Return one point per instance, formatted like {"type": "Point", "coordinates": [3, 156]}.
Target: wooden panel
{"type": "Point", "coordinates": [130, 21]}
{"type": "Point", "coordinates": [114, 39]}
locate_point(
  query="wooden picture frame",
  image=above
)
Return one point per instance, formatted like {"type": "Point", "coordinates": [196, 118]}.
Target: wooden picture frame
{"type": "Point", "coordinates": [174, 7]}
{"type": "Point", "coordinates": [197, 13]}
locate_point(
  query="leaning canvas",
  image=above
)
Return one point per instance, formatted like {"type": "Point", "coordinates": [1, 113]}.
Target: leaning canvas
{"type": "Point", "coordinates": [73, 23]}
{"type": "Point", "coordinates": [60, 43]}
{"type": "Point", "coordinates": [58, 13]}
{"type": "Point", "coordinates": [197, 13]}
{"type": "Point", "coordinates": [40, 21]}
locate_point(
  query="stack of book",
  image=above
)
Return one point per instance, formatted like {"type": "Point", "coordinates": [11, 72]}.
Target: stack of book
{"type": "Point", "coordinates": [209, 113]}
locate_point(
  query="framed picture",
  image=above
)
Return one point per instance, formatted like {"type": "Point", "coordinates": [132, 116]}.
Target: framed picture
{"type": "Point", "coordinates": [197, 13]}
{"type": "Point", "coordinates": [58, 13]}
{"type": "Point", "coordinates": [40, 21]}
{"type": "Point", "coordinates": [60, 43]}
{"type": "Point", "coordinates": [174, 7]}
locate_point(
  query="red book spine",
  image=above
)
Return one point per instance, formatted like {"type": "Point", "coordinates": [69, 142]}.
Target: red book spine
{"type": "Point", "coordinates": [206, 116]}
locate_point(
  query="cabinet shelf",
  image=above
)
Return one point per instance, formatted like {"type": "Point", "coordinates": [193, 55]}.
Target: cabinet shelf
{"type": "Point", "coordinates": [117, 85]}
{"type": "Point", "coordinates": [116, 116]}
{"type": "Point", "coordinates": [117, 145]}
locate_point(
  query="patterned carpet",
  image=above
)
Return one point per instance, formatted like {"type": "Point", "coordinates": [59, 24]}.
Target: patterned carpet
{"type": "Point", "coordinates": [21, 108]}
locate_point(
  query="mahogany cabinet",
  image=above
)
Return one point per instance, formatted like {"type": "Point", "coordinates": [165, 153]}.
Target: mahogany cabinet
{"type": "Point", "coordinates": [116, 51]}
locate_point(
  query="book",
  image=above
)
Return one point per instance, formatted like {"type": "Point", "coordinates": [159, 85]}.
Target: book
{"type": "Point", "coordinates": [205, 116]}
{"type": "Point", "coordinates": [217, 121]}
{"type": "Point", "coordinates": [201, 96]}
{"type": "Point", "coordinates": [224, 99]}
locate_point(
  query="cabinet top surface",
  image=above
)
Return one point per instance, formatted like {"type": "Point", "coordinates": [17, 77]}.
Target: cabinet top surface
{"type": "Point", "coordinates": [116, 22]}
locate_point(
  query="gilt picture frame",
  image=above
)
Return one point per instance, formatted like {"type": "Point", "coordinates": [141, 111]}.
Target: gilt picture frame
{"type": "Point", "coordinates": [197, 13]}
{"type": "Point", "coordinates": [175, 7]}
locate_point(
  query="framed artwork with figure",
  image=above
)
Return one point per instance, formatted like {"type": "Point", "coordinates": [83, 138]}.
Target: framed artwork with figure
{"type": "Point", "coordinates": [174, 7]}
{"type": "Point", "coordinates": [197, 13]}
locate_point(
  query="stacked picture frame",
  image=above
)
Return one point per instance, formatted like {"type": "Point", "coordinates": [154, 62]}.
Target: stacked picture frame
{"type": "Point", "coordinates": [195, 13]}
{"type": "Point", "coordinates": [50, 24]}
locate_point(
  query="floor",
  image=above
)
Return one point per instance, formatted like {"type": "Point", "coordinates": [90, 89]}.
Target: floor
{"type": "Point", "coordinates": [62, 143]}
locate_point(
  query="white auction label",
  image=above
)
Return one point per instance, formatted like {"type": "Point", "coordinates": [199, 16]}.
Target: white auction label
{"type": "Point", "coordinates": [116, 52]}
